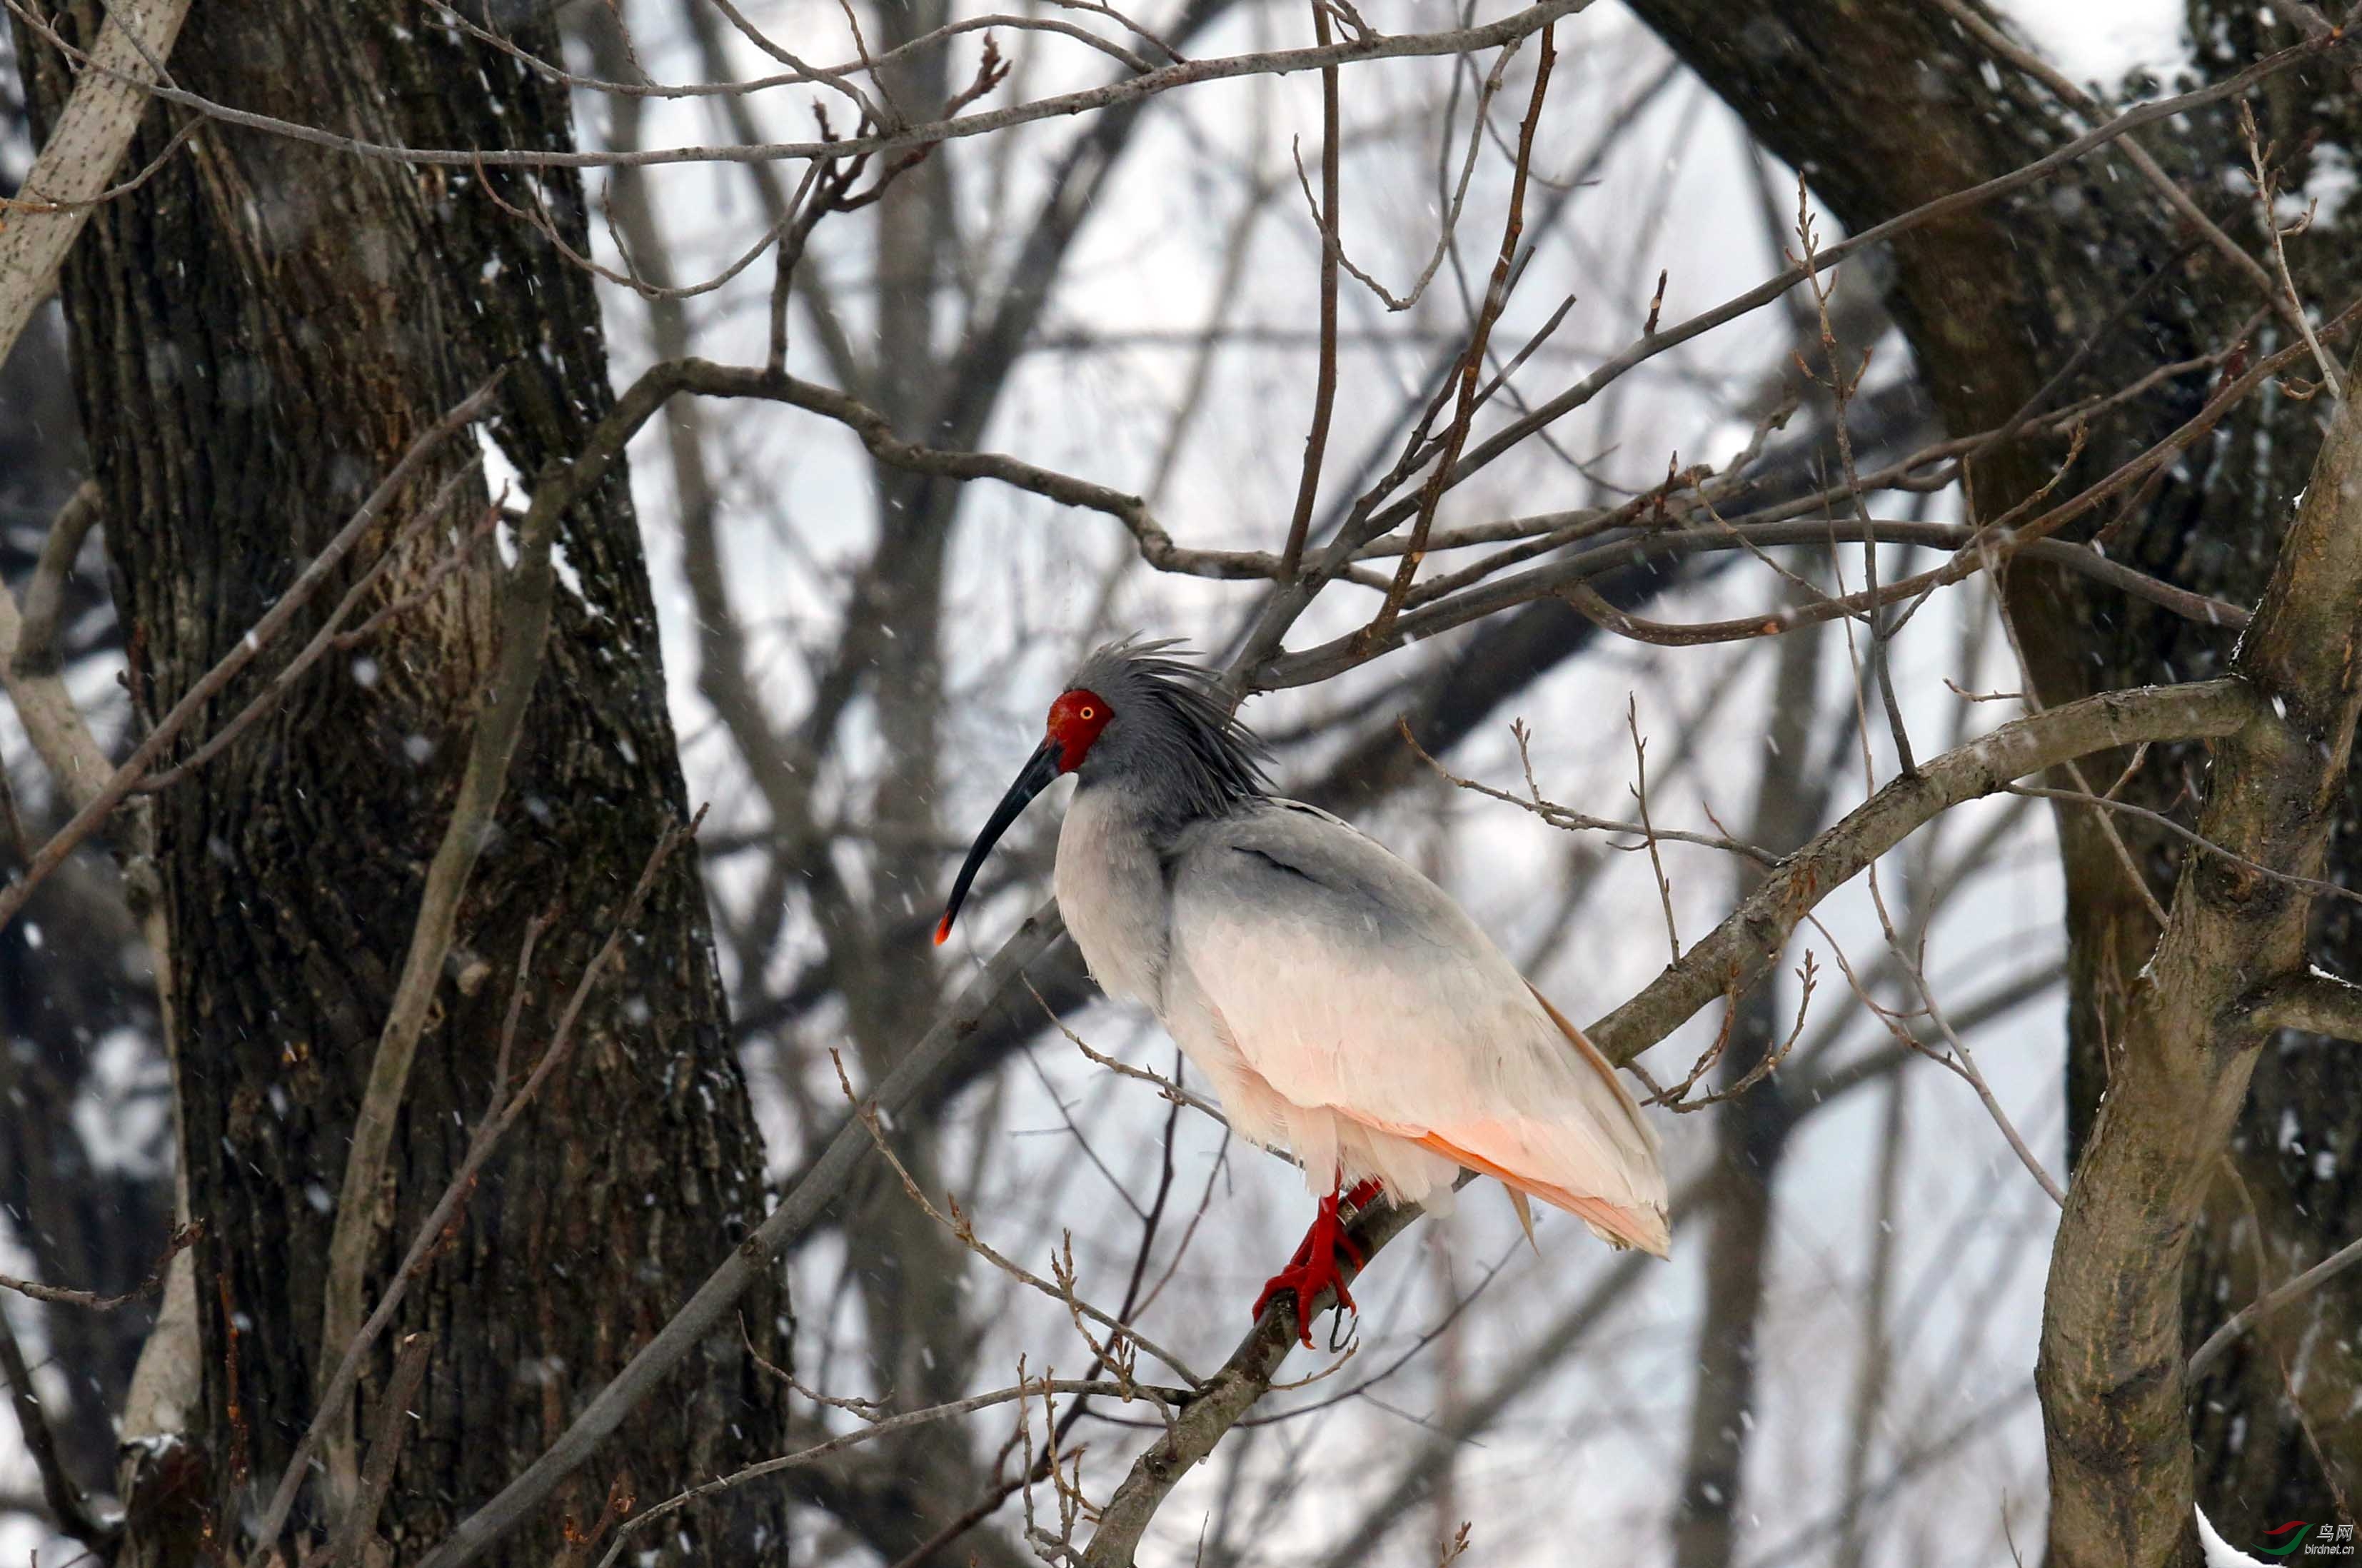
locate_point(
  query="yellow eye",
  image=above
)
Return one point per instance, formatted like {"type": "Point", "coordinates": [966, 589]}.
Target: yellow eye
{"type": "Point", "coordinates": [1088, 713]}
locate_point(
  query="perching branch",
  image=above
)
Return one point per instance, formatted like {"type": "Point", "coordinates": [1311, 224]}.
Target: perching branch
{"type": "Point", "coordinates": [1226, 1397]}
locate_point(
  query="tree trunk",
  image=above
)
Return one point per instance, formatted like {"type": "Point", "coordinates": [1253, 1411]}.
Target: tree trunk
{"type": "Point", "coordinates": [257, 334]}
{"type": "Point", "coordinates": [1889, 106]}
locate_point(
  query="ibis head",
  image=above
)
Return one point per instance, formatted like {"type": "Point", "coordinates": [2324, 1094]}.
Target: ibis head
{"type": "Point", "coordinates": [1133, 719]}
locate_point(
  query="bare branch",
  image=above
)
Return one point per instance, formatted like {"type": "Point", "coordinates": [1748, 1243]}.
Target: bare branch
{"type": "Point", "coordinates": [1746, 942]}
{"type": "Point", "coordinates": [2255, 1311]}
{"type": "Point", "coordinates": [1560, 816]}
{"type": "Point", "coordinates": [2113, 1368]}
{"type": "Point", "coordinates": [1224, 1399]}
{"type": "Point", "coordinates": [168, 729]}
{"type": "Point", "coordinates": [1277, 62]}
{"type": "Point", "coordinates": [66, 1503]}
{"type": "Point", "coordinates": [182, 1239]}
{"type": "Point", "coordinates": [794, 1214]}
{"type": "Point", "coordinates": [37, 640]}
{"type": "Point", "coordinates": [90, 137]}
{"type": "Point", "coordinates": [888, 1426]}
{"type": "Point", "coordinates": [59, 736]}
{"type": "Point", "coordinates": [1472, 364]}
{"type": "Point", "coordinates": [358, 1527]}
{"type": "Point", "coordinates": [1324, 387]}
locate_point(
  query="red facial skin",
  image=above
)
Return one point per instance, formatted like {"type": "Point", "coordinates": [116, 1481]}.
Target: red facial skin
{"type": "Point", "coordinates": [1075, 720]}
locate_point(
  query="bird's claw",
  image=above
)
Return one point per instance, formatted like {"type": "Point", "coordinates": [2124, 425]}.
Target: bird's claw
{"type": "Point", "coordinates": [1314, 1269]}
{"type": "Point", "coordinates": [1305, 1282]}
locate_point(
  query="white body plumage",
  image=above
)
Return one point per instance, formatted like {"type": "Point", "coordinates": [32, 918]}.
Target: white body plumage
{"type": "Point", "coordinates": [1346, 1009]}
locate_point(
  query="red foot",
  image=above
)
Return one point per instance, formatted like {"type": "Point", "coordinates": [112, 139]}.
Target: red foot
{"type": "Point", "coordinates": [1313, 1269]}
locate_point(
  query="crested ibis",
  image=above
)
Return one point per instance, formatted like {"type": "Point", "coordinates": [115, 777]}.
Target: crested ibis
{"type": "Point", "coordinates": [1344, 1007]}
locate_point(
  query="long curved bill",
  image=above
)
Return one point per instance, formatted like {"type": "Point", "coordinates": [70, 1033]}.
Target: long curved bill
{"type": "Point", "coordinates": [1041, 771]}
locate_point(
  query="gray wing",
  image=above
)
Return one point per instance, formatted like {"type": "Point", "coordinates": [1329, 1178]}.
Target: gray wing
{"type": "Point", "coordinates": [1348, 980]}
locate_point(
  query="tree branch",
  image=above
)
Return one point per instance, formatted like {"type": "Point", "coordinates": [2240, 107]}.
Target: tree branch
{"type": "Point", "coordinates": [525, 601]}
{"type": "Point", "coordinates": [1226, 1397]}
{"type": "Point", "coordinates": [183, 1238]}
{"type": "Point", "coordinates": [1746, 942]}
{"type": "Point", "coordinates": [2312, 1001]}
{"type": "Point", "coordinates": [795, 1214]}
{"type": "Point", "coordinates": [2246, 1317]}
{"type": "Point", "coordinates": [65, 1501]}
{"type": "Point", "coordinates": [89, 140]}
{"type": "Point", "coordinates": [337, 1385]}
{"type": "Point", "coordinates": [1185, 73]}
{"type": "Point", "coordinates": [103, 799]}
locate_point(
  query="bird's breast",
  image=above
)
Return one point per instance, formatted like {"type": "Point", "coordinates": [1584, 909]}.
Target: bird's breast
{"type": "Point", "coordinates": [1111, 892]}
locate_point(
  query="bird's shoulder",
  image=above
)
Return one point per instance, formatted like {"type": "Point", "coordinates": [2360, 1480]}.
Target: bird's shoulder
{"type": "Point", "coordinates": [1286, 835]}
{"type": "Point", "coordinates": [1282, 856]}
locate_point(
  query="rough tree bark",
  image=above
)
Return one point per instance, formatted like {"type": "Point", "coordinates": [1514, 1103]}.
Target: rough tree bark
{"type": "Point", "coordinates": [1887, 106]}
{"type": "Point", "coordinates": [256, 334]}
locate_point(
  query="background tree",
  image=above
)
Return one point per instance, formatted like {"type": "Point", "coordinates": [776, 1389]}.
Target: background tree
{"type": "Point", "coordinates": [257, 338]}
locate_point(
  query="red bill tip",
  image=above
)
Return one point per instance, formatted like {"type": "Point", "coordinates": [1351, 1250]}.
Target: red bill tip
{"type": "Point", "coordinates": [942, 931]}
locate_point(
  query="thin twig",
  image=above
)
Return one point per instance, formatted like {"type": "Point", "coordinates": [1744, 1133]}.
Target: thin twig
{"type": "Point", "coordinates": [962, 1228]}
{"type": "Point", "coordinates": [2314, 885]}
{"type": "Point", "coordinates": [331, 634]}
{"type": "Point", "coordinates": [66, 1502]}
{"type": "Point", "coordinates": [182, 1239]}
{"type": "Point", "coordinates": [248, 647]}
{"type": "Point", "coordinates": [1841, 389]}
{"type": "Point", "coordinates": [1647, 832]}
{"type": "Point", "coordinates": [1564, 817]}
{"type": "Point", "coordinates": [1132, 89]}
{"type": "Point", "coordinates": [1324, 387]}
{"type": "Point", "coordinates": [2246, 1317]}
{"type": "Point", "coordinates": [886, 1427]}
{"type": "Point", "coordinates": [1497, 297]}
{"type": "Point", "coordinates": [2267, 192]}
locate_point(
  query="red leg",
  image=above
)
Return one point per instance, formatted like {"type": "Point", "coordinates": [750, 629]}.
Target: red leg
{"type": "Point", "coordinates": [1313, 1269]}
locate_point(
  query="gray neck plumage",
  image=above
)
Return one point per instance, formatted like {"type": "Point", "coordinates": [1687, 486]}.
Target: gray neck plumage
{"type": "Point", "coordinates": [1163, 790]}
{"type": "Point", "coordinates": [1175, 766]}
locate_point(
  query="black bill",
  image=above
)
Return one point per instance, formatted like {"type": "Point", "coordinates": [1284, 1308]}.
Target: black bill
{"type": "Point", "coordinates": [1040, 770]}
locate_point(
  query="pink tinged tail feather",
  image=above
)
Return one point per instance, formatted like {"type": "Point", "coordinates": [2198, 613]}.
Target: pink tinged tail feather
{"type": "Point", "coordinates": [1507, 1149]}
{"type": "Point", "coordinates": [1617, 1224]}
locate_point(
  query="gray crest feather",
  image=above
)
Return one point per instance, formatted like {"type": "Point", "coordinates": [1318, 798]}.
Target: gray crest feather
{"type": "Point", "coordinates": [1171, 738]}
